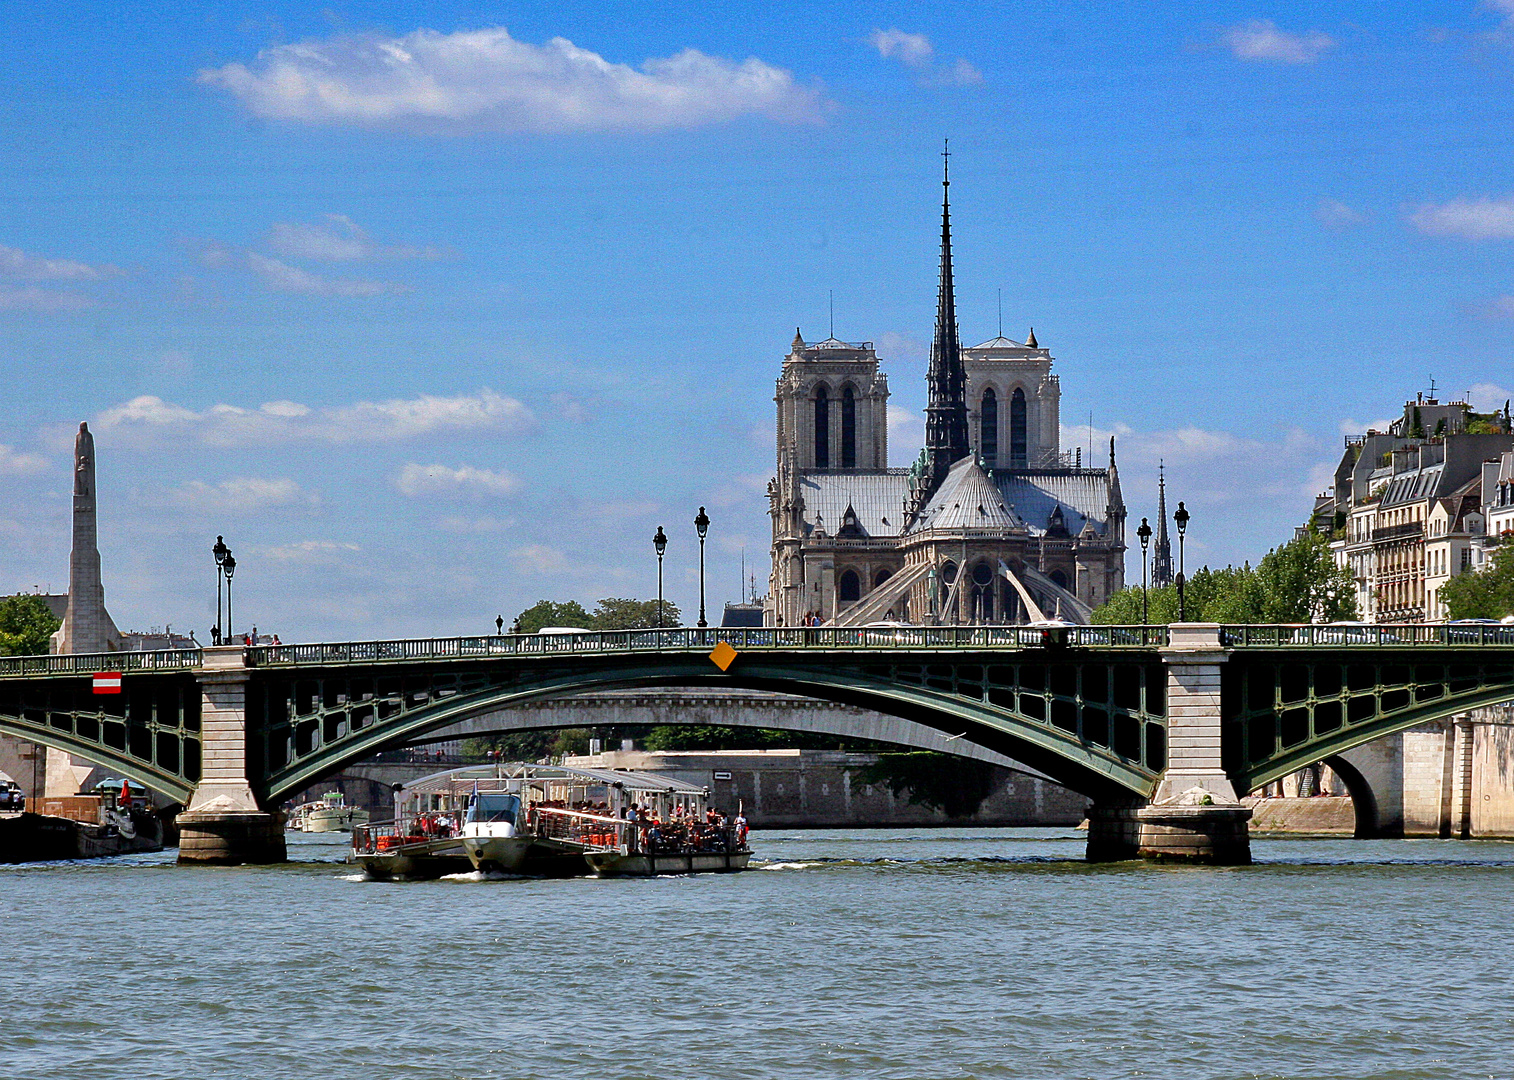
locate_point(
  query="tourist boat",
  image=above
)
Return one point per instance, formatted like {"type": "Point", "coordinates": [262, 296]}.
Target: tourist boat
{"type": "Point", "coordinates": [549, 821]}
{"type": "Point", "coordinates": [330, 813]}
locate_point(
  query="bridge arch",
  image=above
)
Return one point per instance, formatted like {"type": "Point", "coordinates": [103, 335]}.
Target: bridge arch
{"type": "Point", "coordinates": [175, 787]}
{"type": "Point", "coordinates": [314, 747]}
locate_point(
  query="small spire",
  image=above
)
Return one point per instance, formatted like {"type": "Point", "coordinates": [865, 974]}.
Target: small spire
{"type": "Point", "coordinates": [1111, 451]}
{"type": "Point", "coordinates": [798, 340]}
{"type": "Point", "coordinates": [1030, 342]}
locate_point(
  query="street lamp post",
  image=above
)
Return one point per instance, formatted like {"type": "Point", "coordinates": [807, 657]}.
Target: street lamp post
{"type": "Point", "coordinates": [1181, 520]}
{"type": "Point", "coordinates": [702, 526]}
{"type": "Point", "coordinates": [228, 567]}
{"type": "Point", "coordinates": [660, 543]}
{"type": "Point", "coordinates": [1144, 532]}
{"type": "Point", "coordinates": [220, 551]}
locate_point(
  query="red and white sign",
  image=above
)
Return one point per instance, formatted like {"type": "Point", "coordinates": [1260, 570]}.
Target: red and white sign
{"type": "Point", "coordinates": [108, 682]}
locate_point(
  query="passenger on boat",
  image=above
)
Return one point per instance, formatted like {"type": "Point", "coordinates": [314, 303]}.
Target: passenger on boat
{"type": "Point", "coordinates": [741, 830]}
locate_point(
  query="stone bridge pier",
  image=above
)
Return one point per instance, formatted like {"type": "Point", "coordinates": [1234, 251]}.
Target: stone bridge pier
{"type": "Point", "coordinates": [1195, 815]}
{"type": "Point", "coordinates": [224, 824]}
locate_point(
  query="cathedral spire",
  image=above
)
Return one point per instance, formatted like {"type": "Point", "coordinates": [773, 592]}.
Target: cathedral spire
{"type": "Point", "coordinates": [946, 382]}
{"type": "Point", "coordinates": [1161, 559]}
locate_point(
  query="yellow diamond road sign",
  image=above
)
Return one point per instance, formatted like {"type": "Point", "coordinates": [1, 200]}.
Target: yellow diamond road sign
{"type": "Point", "coordinates": [723, 656]}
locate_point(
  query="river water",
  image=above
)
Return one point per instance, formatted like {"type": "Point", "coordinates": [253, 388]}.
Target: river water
{"type": "Point", "coordinates": [883, 954]}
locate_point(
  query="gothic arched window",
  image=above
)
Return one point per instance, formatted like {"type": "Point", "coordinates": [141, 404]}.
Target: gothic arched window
{"type": "Point", "coordinates": [822, 428]}
{"type": "Point", "coordinates": [988, 427]}
{"type": "Point", "coordinates": [848, 429]}
{"type": "Point", "coordinates": [849, 588]}
{"type": "Point", "coordinates": [881, 576]}
{"type": "Point", "coordinates": [1017, 442]}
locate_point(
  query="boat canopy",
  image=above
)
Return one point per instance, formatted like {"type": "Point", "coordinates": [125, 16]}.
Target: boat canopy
{"type": "Point", "coordinates": [494, 777]}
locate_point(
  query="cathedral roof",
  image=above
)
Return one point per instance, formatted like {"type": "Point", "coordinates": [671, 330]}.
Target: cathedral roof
{"type": "Point", "coordinates": [1083, 495]}
{"type": "Point", "coordinates": [967, 499]}
{"type": "Point", "coordinates": [1004, 345]}
{"type": "Point", "coordinates": [875, 498]}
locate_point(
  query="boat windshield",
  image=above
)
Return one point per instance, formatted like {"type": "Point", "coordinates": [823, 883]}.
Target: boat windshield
{"type": "Point", "coordinates": [494, 806]}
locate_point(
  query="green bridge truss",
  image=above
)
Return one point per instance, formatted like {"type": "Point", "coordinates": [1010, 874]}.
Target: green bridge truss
{"type": "Point", "coordinates": [1085, 705]}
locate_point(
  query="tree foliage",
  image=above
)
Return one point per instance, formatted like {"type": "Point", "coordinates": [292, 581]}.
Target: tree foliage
{"type": "Point", "coordinates": [617, 613]}
{"type": "Point", "coordinates": [1298, 582]}
{"type": "Point", "coordinates": [1482, 594]}
{"type": "Point", "coordinates": [612, 613]}
{"type": "Point", "coordinates": [25, 625]}
{"type": "Point", "coordinates": [956, 786]}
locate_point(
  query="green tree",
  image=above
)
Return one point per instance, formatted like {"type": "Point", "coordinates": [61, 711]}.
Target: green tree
{"type": "Point", "coordinates": [956, 786]}
{"type": "Point", "coordinates": [25, 625]}
{"type": "Point", "coordinates": [1301, 582]}
{"type": "Point", "coordinates": [545, 613]}
{"type": "Point", "coordinates": [1482, 594]}
{"type": "Point", "coordinates": [618, 613]}
{"type": "Point", "coordinates": [1298, 582]}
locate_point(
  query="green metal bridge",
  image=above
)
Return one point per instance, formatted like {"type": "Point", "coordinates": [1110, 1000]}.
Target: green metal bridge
{"type": "Point", "coordinates": [1105, 710]}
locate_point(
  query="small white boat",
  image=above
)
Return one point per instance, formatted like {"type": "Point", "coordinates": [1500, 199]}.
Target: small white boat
{"type": "Point", "coordinates": [329, 813]}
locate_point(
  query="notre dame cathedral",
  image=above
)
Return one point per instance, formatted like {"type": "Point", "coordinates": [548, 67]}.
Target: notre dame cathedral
{"type": "Point", "coordinates": [992, 524]}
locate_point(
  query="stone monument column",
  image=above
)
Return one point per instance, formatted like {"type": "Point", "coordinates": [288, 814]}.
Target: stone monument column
{"type": "Point", "coordinates": [224, 824]}
{"type": "Point", "coordinates": [87, 626]}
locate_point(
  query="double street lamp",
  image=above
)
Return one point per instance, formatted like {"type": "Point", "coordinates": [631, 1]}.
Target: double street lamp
{"type": "Point", "coordinates": [1144, 532]}
{"type": "Point", "coordinates": [660, 542]}
{"type": "Point", "coordinates": [220, 551]}
{"type": "Point", "coordinates": [701, 526]}
{"type": "Point", "coordinates": [1180, 519]}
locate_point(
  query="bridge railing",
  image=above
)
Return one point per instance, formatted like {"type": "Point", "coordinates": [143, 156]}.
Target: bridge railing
{"type": "Point", "coordinates": [694, 639]}
{"type": "Point", "coordinates": [1367, 634]}
{"type": "Point", "coordinates": [90, 663]}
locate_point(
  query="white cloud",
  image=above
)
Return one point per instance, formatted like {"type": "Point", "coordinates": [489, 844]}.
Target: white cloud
{"type": "Point", "coordinates": [893, 347]}
{"type": "Point", "coordinates": [1356, 427]}
{"type": "Point", "coordinates": [1486, 396]}
{"type": "Point", "coordinates": [961, 73]}
{"type": "Point", "coordinates": [475, 525]}
{"type": "Point", "coordinates": [485, 80]}
{"type": "Point", "coordinates": [32, 298]}
{"type": "Point", "coordinates": [15, 263]}
{"type": "Point", "coordinates": [150, 421]}
{"type": "Point", "coordinates": [282, 277]}
{"type": "Point", "coordinates": [241, 494]}
{"type": "Point", "coordinates": [16, 463]}
{"type": "Point", "coordinates": [539, 559]}
{"type": "Point", "coordinates": [417, 481]}
{"type": "Point", "coordinates": [309, 551]}
{"type": "Point", "coordinates": [336, 239]}
{"type": "Point", "coordinates": [1260, 39]}
{"type": "Point", "coordinates": [1336, 215]}
{"type": "Point", "coordinates": [1467, 219]}
{"type": "Point", "coordinates": [903, 424]}
{"type": "Point", "coordinates": [913, 50]}
{"type": "Point", "coordinates": [571, 408]}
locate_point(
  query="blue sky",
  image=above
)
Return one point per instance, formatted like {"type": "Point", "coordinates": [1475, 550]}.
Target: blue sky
{"type": "Point", "coordinates": [435, 310]}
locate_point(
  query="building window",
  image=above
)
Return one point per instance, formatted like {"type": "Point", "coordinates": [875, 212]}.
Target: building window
{"type": "Point", "coordinates": [1059, 577]}
{"type": "Point", "coordinates": [822, 429]}
{"type": "Point", "coordinates": [881, 576]}
{"type": "Point", "coordinates": [850, 587]}
{"type": "Point", "coordinates": [988, 427]}
{"type": "Point", "coordinates": [848, 429]}
{"type": "Point", "coordinates": [1017, 452]}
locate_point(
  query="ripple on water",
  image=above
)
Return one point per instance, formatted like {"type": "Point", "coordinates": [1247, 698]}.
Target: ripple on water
{"type": "Point", "coordinates": [976, 953]}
